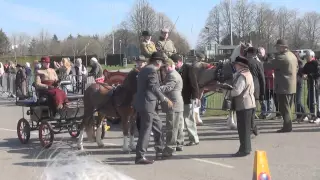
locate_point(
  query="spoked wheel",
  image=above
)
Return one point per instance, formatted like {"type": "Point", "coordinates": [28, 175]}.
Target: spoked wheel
{"type": "Point", "coordinates": [23, 131]}
{"type": "Point", "coordinates": [46, 134]}
{"type": "Point", "coordinates": [74, 130]}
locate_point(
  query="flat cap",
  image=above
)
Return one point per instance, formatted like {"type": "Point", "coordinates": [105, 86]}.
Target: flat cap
{"type": "Point", "coordinates": [175, 57]}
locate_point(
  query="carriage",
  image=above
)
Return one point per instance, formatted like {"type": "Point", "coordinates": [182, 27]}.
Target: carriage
{"type": "Point", "coordinates": [36, 114]}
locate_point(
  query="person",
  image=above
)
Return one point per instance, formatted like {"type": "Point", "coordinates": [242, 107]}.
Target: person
{"type": "Point", "coordinates": [1, 73]}
{"type": "Point", "coordinates": [21, 83]}
{"type": "Point", "coordinates": [190, 95]}
{"type": "Point", "coordinates": [147, 46]}
{"type": "Point", "coordinates": [96, 70]}
{"type": "Point", "coordinates": [257, 71]}
{"type": "Point", "coordinates": [145, 102]}
{"type": "Point", "coordinates": [174, 117]}
{"type": "Point", "coordinates": [165, 45]}
{"type": "Point", "coordinates": [29, 75]}
{"type": "Point", "coordinates": [12, 71]}
{"type": "Point", "coordinates": [79, 71]}
{"type": "Point", "coordinates": [46, 84]}
{"type": "Point", "coordinates": [285, 68]}
{"type": "Point", "coordinates": [299, 106]}
{"type": "Point", "coordinates": [244, 103]}
{"type": "Point", "coordinates": [311, 72]}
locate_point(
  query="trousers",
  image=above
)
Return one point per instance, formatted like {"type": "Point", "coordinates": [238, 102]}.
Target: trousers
{"type": "Point", "coordinates": [244, 119]}
{"type": "Point", "coordinates": [285, 103]}
{"type": "Point", "coordinates": [174, 132]}
{"type": "Point", "coordinates": [190, 123]}
{"type": "Point", "coordinates": [149, 121]}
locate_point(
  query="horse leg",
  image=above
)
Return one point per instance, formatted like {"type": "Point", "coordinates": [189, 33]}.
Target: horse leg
{"type": "Point", "coordinates": [125, 130]}
{"type": "Point", "coordinates": [99, 130]}
{"type": "Point", "coordinates": [80, 139]}
{"type": "Point", "coordinates": [132, 122]}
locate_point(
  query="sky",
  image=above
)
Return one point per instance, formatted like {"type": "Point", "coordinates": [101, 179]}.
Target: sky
{"type": "Point", "coordinates": [64, 17]}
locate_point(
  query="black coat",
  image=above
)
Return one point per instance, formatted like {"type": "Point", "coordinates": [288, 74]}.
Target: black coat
{"type": "Point", "coordinates": [257, 71]}
{"type": "Point", "coordinates": [190, 88]}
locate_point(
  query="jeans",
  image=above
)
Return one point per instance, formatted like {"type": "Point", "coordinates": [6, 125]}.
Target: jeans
{"type": "Point", "coordinates": [268, 103]}
{"type": "Point", "coordinates": [203, 104]}
{"type": "Point", "coordinates": [312, 100]}
{"type": "Point", "coordinates": [299, 106]}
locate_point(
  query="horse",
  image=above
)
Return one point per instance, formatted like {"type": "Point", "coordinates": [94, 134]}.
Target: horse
{"type": "Point", "coordinates": [112, 102]}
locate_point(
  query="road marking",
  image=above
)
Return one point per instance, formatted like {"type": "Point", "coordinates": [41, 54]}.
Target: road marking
{"type": "Point", "coordinates": [214, 163]}
{"type": "Point", "coordinates": [11, 130]}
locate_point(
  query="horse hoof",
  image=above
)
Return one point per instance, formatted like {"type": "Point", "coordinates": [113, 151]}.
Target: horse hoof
{"type": "Point", "coordinates": [80, 148]}
{"type": "Point", "coordinates": [100, 145]}
{"type": "Point", "coordinates": [126, 150]}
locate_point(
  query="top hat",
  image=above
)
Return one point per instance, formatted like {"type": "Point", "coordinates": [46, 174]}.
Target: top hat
{"type": "Point", "coordinates": [145, 33]}
{"type": "Point", "coordinates": [243, 61]}
{"type": "Point", "coordinates": [282, 42]}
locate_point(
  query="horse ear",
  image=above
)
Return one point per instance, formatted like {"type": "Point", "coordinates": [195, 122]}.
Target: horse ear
{"type": "Point", "coordinates": [240, 42]}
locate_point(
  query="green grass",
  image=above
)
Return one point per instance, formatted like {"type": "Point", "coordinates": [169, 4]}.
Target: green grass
{"type": "Point", "coordinates": [214, 103]}
{"type": "Point", "coordinates": [117, 67]}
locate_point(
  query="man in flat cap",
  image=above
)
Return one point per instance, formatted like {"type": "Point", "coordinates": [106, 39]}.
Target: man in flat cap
{"type": "Point", "coordinates": [257, 71]}
{"type": "Point", "coordinates": [172, 88]}
{"type": "Point", "coordinates": [285, 67]}
{"type": "Point", "coordinates": [165, 45]}
{"type": "Point", "coordinates": [147, 46]}
{"type": "Point", "coordinates": [145, 102]}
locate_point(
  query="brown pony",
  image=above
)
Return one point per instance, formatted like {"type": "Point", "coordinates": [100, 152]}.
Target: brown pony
{"type": "Point", "coordinates": [108, 101]}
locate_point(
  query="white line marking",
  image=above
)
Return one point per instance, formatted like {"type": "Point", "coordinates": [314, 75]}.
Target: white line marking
{"type": "Point", "coordinates": [214, 163]}
{"type": "Point", "coordinates": [11, 130]}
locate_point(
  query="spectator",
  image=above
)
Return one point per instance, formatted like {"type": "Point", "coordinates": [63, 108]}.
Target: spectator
{"type": "Point", "coordinates": [20, 82]}
{"type": "Point", "coordinates": [79, 72]}
{"type": "Point", "coordinates": [299, 106]}
{"type": "Point", "coordinates": [28, 72]}
{"type": "Point", "coordinates": [1, 73]}
{"type": "Point", "coordinates": [311, 72]}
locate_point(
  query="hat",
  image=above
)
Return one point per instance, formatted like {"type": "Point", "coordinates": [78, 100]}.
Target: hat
{"type": "Point", "coordinates": [141, 58]}
{"type": "Point", "coordinates": [156, 56]}
{"type": "Point", "coordinates": [282, 42]}
{"type": "Point", "coordinates": [252, 50]}
{"type": "Point", "coordinates": [169, 62]}
{"type": "Point", "coordinates": [165, 30]}
{"type": "Point", "coordinates": [45, 59]}
{"type": "Point", "coordinates": [145, 33]}
{"type": "Point", "coordinates": [243, 61]}
{"type": "Point", "coordinates": [200, 55]}
{"type": "Point", "coordinates": [175, 57]}
{"type": "Point", "coordinates": [18, 65]}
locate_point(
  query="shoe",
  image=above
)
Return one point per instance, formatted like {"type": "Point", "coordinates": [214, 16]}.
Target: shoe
{"type": "Point", "coordinates": [240, 154]}
{"type": "Point", "coordinates": [179, 148]}
{"type": "Point", "coordinates": [167, 153]}
{"type": "Point", "coordinates": [143, 160]}
{"type": "Point", "coordinates": [199, 123]}
{"type": "Point", "coordinates": [191, 143]}
{"type": "Point", "coordinates": [283, 130]}
{"type": "Point", "coordinates": [262, 116]}
{"type": "Point", "coordinates": [255, 131]}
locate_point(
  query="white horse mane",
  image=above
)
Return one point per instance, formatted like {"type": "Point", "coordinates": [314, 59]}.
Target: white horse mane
{"type": "Point", "coordinates": [236, 52]}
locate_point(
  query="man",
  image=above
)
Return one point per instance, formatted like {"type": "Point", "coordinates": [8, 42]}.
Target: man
{"type": "Point", "coordinates": [299, 106]}
{"type": "Point", "coordinates": [78, 71]}
{"type": "Point", "coordinates": [21, 84]}
{"type": "Point", "coordinates": [311, 72]}
{"type": "Point", "coordinates": [244, 103]}
{"type": "Point", "coordinates": [190, 95]}
{"type": "Point", "coordinates": [145, 103]}
{"type": "Point", "coordinates": [285, 68]}
{"type": "Point", "coordinates": [257, 72]}
{"type": "Point", "coordinates": [165, 45]}
{"type": "Point", "coordinates": [174, 117]}
{"type": "Point", "coordinates": [147, 46]}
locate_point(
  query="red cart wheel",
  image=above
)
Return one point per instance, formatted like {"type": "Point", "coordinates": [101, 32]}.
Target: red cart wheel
{"type": "Point", "coordinates": [46, 134]}
{"type": "Point", "coordinates": [23, 131]}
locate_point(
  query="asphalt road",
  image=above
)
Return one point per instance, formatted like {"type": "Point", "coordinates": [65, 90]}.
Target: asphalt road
{"type": "Point", "coordinates": [293, 156]}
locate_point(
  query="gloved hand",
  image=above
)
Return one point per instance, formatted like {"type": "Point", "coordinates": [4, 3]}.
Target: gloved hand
{"type": "Point", "coordinates": [169, 102]}
{"type": "Point", "coordinates": [226, 86]}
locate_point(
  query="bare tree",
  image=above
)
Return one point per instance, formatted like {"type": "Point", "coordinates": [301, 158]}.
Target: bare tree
{"type": "Point", "coordinates": [225, 17]}
{"type": "Point", "coordinates": [284, 21]}
{"type": "Point", "coordinates": [164, 22]}
{"type": "Point", "coordinates": [243, 18]}
{"type": "Point", "coordinates": [43, 42]}
{"type": "Point", "coordinates": [311, 27]}
{"type": "Point", "coordinates": [296, 34]}
{"type": "Point", "coordinates": [214, 25]}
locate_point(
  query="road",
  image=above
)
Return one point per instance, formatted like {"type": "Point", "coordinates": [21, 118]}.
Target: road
{"type": "Point", "coordinates": [293, 156]}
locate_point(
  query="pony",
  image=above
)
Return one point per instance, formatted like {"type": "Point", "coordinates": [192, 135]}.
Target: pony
{"type": "Point", "coordinates": [109, 102]}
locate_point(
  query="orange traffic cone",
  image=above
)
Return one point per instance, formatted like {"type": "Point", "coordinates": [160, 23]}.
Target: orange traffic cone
{"type": "Point", "coordinates": [261, 166]}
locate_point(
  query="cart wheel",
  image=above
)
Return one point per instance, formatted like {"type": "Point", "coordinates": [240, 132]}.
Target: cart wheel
{"type": "Point", "coordinates": [46, 134]}
{"type": "Point", "coordinates": [23, 130]}
{"type": "Point", "coordinates": [74, 130]}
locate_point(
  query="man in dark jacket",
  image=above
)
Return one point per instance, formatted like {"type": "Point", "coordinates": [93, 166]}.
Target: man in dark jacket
{"type": "Point", "coordinates": [257, 71]}
{"type": "Point", "coordinates": [190, 94]}
{"type": "Point", "coordinates": [311, 71]}
{"type": "Point", "coordinates": [299, 106]}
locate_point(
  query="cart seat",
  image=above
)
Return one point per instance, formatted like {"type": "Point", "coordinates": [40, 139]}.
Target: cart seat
{"type": "Point", "coordinates": [30, 102]}
{"type": "Point", "coordinates": [74, 97]}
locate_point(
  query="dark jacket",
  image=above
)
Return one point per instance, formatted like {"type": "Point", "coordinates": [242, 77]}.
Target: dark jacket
{"type": "Point", "coordinates": [257, 71]}
{"type": "Point", "coordinates": [148, 90]}
{"type": "Point", "coordinates": [300, 72]}
{"type": "Point", "coordinates": [311, 69]}
{"type": "Point", "coordinates": [190, 88]}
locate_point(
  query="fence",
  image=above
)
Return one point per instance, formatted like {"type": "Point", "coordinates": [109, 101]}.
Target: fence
{"type": "Point", "coordinates": [306, 100]}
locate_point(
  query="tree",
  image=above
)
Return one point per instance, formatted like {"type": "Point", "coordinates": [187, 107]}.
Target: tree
{"type": "Point", "coordinates": [284, 21]}
{"type": "Point", "coordinates": [70, 37]}
{"type": "Point", "coordinates": [311, 27]}
{"type": "Point", "coordinates": [32, 47]}
{"type": "Point", "coordinates": [55, 38]}
{"type": "Point", "coordinates": [4, 42]}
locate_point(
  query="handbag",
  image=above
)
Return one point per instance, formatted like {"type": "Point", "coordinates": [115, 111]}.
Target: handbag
{"type": "Point", "coordinates": [227, 102]}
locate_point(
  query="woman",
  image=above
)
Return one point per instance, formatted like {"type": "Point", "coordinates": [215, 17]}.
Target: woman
{"type": "Point", "coordinates": [64, 73]}
{"type": "Point", "coordinates": [46, 84]}
{"type": "Point", "coordinates": [244, 103]}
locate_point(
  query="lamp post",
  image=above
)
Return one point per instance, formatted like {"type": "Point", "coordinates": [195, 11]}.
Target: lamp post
{"type": "Point", "coordinates": [208, 43]}
{"type": "Point", "coordinates": [120, 51]}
